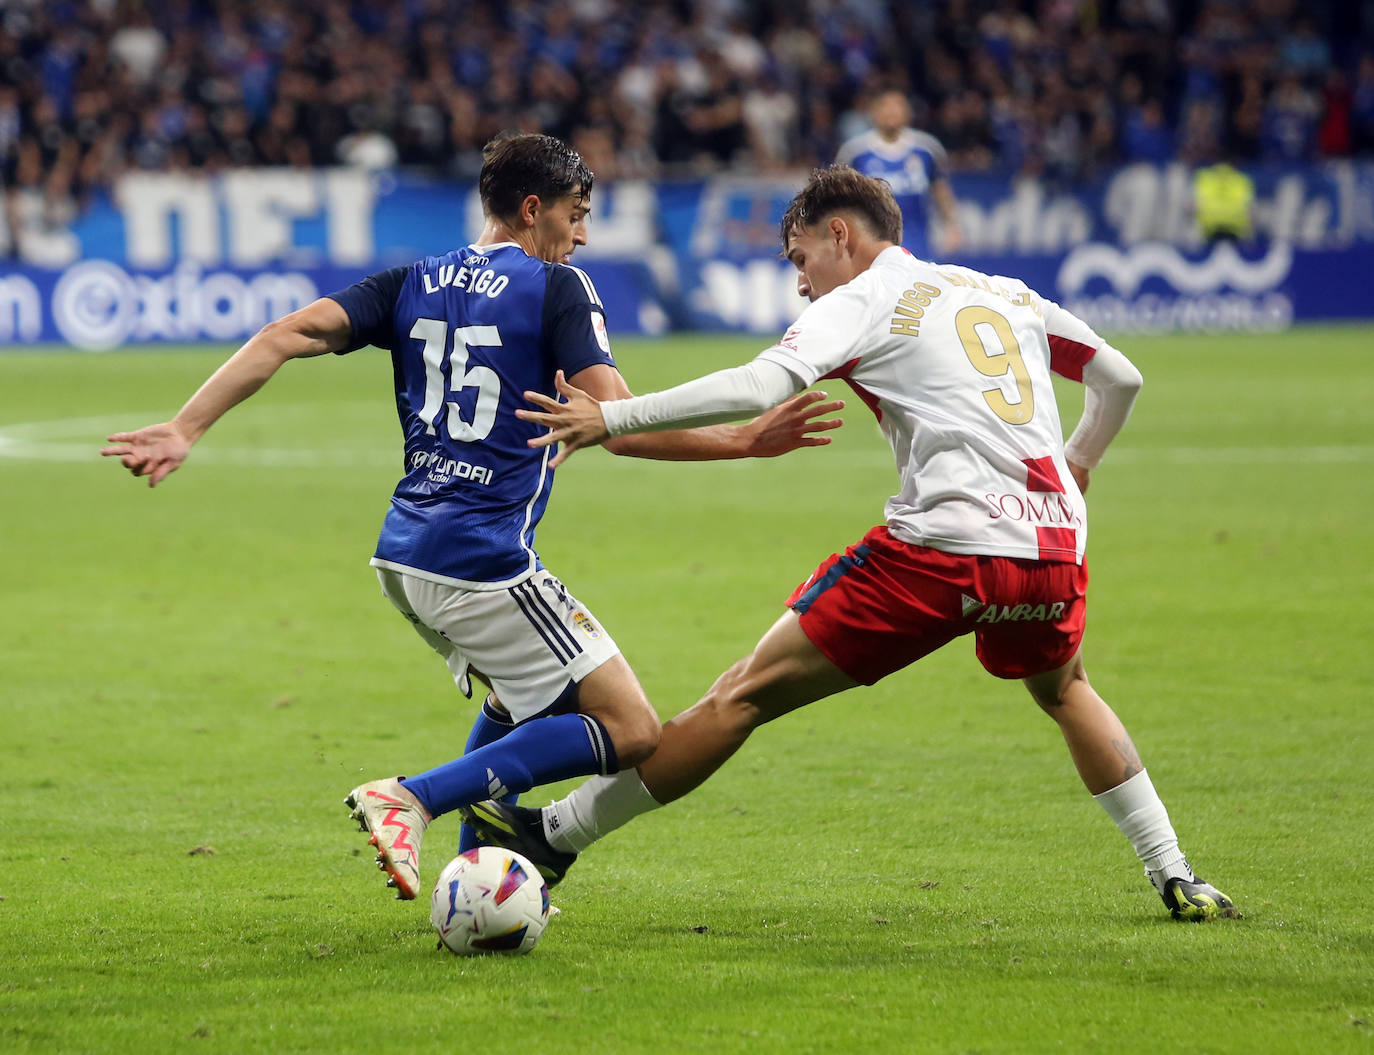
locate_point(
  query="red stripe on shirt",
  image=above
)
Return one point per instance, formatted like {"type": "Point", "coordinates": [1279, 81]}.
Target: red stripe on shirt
{"type": "Point", "coordinates": [1067, 357]}
{"type": "Point", "coordinates": [1057, 543]}
{"type": "Point", "coordinates": [1041, 475]}
{"type": "Point", "coordinates": [842, 373]}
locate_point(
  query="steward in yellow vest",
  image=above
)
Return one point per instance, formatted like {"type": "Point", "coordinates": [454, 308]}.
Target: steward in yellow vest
{"type": "Point", "coordinates": [1222, 198]}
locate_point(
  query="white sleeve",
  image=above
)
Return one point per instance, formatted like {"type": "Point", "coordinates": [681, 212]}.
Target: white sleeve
{"type": "Point", "coordinates": [1072, 341]}
{"type": "Point", "coordinates": [826, 335]}
{"type": "Point", "coordinates": [1112, 384]}
{"type": "Point", "coordinates": [726, 395]}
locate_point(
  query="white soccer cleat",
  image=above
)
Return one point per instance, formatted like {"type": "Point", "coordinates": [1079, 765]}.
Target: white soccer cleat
{"type": "Point", "coordinates": [397, 828]}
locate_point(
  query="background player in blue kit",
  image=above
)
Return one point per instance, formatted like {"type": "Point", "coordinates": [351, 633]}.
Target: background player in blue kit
{"type": "Point", "coordinates": [913, 164]}
{"type": "Point", "coordinates": [469, 333]}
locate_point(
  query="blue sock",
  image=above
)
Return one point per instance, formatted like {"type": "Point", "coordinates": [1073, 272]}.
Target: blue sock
{"type": "Point", "coordinates": [536, 752]}
{"type": "Point", "coordinates": [489, 727]}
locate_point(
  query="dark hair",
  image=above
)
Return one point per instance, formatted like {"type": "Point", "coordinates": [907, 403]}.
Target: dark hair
{"type": "Point", "coordinates": [840, 188]}
{"type": "Point", "coordinates": [516, 165]}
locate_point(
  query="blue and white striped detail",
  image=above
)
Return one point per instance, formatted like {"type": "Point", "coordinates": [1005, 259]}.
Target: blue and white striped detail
{"type": "Point", "coordinates": [601, 744]}
{"type": "Point", "coordinates": [586, 284]}
{"type": "Point", "coordinates": [548, 624]}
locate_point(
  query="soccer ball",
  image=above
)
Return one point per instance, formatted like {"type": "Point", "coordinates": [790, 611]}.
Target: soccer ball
{"type": "Point", "coordinates": [489, 899]}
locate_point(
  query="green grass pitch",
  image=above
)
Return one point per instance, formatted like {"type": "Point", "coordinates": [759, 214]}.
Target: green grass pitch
{"type": "Point", "coordinates": [191, 678]}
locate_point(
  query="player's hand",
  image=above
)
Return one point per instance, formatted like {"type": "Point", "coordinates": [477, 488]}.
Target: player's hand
{"type": "Point", "coordinates": [791, 425]}
{"type": "Point", "coordinates": [154, 451]}
{"type": "Point", "coordinates": [1080, 474]}
{"type": "Point", "coordinates": [576, 423]}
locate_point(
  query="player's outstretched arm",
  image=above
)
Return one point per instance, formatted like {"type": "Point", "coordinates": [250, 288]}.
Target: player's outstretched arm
{"type": "Point", "coordinates": [645, 430]}
{"type": "Point", "coordinates": [576, 423]}
{"type": "Point", "coordinates": [791, 425]}
{"type": "Point", "coordinates": [156, 451]}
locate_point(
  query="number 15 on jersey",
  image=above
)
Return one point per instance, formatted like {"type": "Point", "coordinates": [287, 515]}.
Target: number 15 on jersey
{"type": "Point", "coordinates": [434, 332]}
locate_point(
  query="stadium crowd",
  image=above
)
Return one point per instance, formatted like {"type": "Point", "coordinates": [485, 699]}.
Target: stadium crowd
{"type": "Point", "coordinates": [91, 88]}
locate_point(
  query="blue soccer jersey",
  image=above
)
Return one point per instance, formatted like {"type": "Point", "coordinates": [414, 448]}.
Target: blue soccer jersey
{"type": "Point", "coordinates": [469, 333]}
{"type": "Point", "coordinates": [910, 165]}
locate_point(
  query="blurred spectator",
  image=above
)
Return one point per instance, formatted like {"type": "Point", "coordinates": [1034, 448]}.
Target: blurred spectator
{"type": "Point", "coordinates": [1334, 137]}
{"type": "Point", "coordinates": [1303, 52]}
{"type": "Point", "coordinates": [913, 164]}
{"type": "Point", "coordinates": [1244, 134]}
{"type": "Point", "coordinates": [1362, 108]}
{"type": "Point", "coordinates": [1290, 121]}
{"type": "Point", "coordinates": [11, 129]}
{"type": "Point", "coordinates": [713, 114]}
{"type": "Point", "coordinates": [137, 45]}
{"type": "Point", "coordinates": [771, 119]}
{"type": "Point", "coordinates": [1201, 131]}
{"type": "Point", "coordinates": [1145, 135]}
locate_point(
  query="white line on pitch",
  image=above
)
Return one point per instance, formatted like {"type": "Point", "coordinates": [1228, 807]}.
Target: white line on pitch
{"type": "Point", "coordinates": [55, 441]}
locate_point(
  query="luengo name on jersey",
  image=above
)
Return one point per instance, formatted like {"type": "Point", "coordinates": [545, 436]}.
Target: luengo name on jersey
{"type": "Point", "coordinates": [469, 279]}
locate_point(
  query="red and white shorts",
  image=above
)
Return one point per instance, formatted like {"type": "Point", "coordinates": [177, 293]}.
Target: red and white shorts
{"type": "Point", "coordinates": [885, 603]}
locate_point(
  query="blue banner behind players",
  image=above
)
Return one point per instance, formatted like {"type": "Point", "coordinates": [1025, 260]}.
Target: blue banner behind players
{"type": "Point", "coordinates": [174, 258]}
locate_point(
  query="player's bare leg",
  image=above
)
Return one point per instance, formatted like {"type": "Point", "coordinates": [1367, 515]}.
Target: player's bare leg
{"type": "Point", "coordinates": [785, 671]}
{"type": "Point", "coordinates": [1110, 766]}
{"type": "Point", "coordinates": [612, 694]}
{"type": "Point", "coordinates": [1100, 747]}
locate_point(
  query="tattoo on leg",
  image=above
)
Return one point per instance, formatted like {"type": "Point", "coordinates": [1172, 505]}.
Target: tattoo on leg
{"type": "Point", "coordinates": [1128, 754]}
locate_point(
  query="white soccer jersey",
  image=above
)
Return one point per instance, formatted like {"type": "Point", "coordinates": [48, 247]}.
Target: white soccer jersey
{"type": "Point", "coordinates": [956, 366]}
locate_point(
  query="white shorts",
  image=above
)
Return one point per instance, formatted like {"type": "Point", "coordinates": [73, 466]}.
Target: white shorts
{"type": "Point", "coordinates": [529, 642]}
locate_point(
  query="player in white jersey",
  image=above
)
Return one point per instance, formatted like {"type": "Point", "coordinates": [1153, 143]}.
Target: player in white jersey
{"type": "Point", "coordinates": [985, 535]}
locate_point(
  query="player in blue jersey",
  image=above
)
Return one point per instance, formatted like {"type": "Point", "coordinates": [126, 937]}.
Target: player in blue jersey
{"type": "Point", "coordinates": [469, 332]}
{"type": "Point", "coordinates": [913, 165]}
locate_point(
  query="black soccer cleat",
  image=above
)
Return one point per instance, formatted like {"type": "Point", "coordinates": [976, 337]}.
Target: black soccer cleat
{"type": "Point", "coordinates": [522, 830]}
{"type": "Point", "coordinates": [1196, 900]}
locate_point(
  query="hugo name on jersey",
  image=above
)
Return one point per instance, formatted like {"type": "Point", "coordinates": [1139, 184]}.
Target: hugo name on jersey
{"type": "Point", "coordinates": [956, 366]}
{"type": "Point", "coordinates": [469, 333]}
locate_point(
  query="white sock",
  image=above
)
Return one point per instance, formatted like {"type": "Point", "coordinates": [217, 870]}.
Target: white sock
{"type": "Point", "coordinates": [595, 808]}
{"type": "Point", "coordinates": [1142, 818]}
